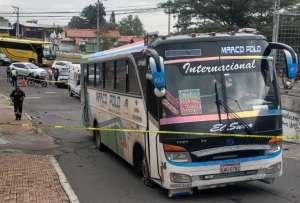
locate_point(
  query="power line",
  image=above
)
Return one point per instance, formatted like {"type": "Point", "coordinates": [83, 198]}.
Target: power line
{"type": "Point", "coordinates": [77, 12]}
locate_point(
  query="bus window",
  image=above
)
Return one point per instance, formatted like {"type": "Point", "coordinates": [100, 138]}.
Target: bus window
{"type": "Point", "coordinates": [134, 86]}
{"type": "Point", "coordinates": [109, 75]}
{"type": "Point", "coordinates": [91, 75]}
{"type": "Point", "coordinates": [121, 73]}
{"type": "Point", "coordinates": [142, 64]}
{"type": "Point", "coordinates": [99, 76]}
{"type": "Point", "coordinates": [86, 73]}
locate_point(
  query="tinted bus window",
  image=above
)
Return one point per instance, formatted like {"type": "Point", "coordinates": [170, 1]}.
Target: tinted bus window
{"type": "Point", "coordinates": [86, 74]}
{"type": "Point", "coordinates": [109, 75]}
{"type": "Point", "coordinates": [99, 75]}
{"type": "Point", "coordinates": [121, 73]}
{"type": "Point", "coordinates": [91, 75]}
{"type": "Point", "coordinates": [134, 87]}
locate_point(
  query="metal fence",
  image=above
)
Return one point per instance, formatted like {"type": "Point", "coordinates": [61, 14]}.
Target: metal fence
{"type": "Point", "coordinates": [286, 29]}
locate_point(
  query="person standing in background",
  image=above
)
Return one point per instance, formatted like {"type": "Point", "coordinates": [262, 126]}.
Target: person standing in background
{"type": "Point", "coordinates": [17, 96]}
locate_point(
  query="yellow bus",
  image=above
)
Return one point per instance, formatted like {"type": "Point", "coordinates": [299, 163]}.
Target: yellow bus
{"type": "Point", "coordinates": [20, 50]}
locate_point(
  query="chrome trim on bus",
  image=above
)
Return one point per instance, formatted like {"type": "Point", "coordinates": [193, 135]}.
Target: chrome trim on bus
{"type": "Point", "coordinates": [218, 150]}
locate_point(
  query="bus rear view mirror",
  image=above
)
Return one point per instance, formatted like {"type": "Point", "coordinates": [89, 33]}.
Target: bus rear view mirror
{"type": "Point", "coordinates": [158, 76]}
{"type": "Point", "coordinates": [290, 71]}
{"type": "Point", "coordinates": [291, 65]}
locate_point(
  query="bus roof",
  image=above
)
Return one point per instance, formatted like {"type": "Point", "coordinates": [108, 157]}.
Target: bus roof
{"type": "Point", "coordinates": [139, 46]}
{"type": "Point", "coordinates": [23, 41]}
{"type": "Point", "coordinates": [207, 37]}
{"type": "Point", "coordinates": [122, 50]}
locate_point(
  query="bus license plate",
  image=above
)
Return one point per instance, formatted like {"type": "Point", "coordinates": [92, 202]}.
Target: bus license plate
{"type": "Point", "coordinates": [230, 168]}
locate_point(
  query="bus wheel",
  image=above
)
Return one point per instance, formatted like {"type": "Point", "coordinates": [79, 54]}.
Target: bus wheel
{"type": "Point", "coordinates": [99, 144]}
{"type": "Point", "coordinates": [141, 166]}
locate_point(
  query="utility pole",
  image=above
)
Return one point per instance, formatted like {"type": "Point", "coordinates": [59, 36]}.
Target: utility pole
{"type": "Point", "coordinates": [17, 11]}
{"type": "Point", "coordinates": [98, 26]}
{"type": "Point", "coordinates": [169, 17]}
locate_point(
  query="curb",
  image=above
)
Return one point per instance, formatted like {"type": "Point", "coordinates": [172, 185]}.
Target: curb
{"type": "Point", "coordinates": [63, 181]}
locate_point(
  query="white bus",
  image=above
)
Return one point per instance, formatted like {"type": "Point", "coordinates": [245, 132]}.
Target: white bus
{"type": "Point", "coordinates": [218, 85]}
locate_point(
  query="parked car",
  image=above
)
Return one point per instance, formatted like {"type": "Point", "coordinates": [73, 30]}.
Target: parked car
{"type": "Point", "coordinates": [74, 80]}
{"type": "Point", "coordinates": [29, 69]}
{"type": "Point", "coordinates": [63, 68]}
{"type": "Point", "coordinates": [4, 60]}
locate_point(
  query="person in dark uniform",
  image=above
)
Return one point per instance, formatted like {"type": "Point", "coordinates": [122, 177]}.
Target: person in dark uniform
{"type": "Point", "coordinates": [17, 96]}
{"type": "Point", "coordinates": [8, 75]}
{"type": "Point", "coordinates": [56, 74]}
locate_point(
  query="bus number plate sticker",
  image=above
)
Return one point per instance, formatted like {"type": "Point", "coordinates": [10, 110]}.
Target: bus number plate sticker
{"type": "Point", "coordinates": [230, 168]}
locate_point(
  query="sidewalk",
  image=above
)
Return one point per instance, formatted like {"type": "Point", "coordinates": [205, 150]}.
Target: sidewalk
{"type": "Point", "coordinates": [29, 178]}
{"type": "Point", "coordinates": [24, 177]}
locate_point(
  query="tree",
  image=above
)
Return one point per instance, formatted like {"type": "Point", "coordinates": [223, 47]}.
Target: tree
{"type": "Point", "coordinates": [88, 17]}
{"type": "Point", "coordinates": [212, 15]}
{"type": "Point", "coordinates": [131, 26]}
{"type": "Point", "coordinates": [77, 22]}
{"type": "Point", "coordinates": [112, 25]}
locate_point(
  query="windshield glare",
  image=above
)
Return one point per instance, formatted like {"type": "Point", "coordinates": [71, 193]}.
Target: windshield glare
{"type": "Point", "coordinates": [196, 94]}
{"type": "Point", "coordinates": [32, 66]}
{"type": "Point", "coordinates": [49, 50]}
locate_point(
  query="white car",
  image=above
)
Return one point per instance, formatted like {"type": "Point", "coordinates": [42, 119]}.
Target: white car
{"type": "Point", "coordinates": [28, 69]}
{"type": "Point", "coordinates": [63, 68]}
{"type": "Point", "coordinates": [74, 80]}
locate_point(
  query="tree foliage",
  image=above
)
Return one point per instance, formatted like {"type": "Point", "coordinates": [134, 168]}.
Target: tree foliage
{"type": "Point", "coordinates": [223, 15]}
{"type": "Point", "coordinates": [88, 17]}
{"type": "Point", "coordinates": [131, 26]}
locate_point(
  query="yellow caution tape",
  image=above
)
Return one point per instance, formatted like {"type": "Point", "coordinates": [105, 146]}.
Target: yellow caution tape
{"type": "Point", "coordinates": [35, 79]}
{"type": "Point", "coordinates": [198, 134]}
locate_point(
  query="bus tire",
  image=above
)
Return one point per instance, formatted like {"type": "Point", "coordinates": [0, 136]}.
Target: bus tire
{"type": "Point", "coordinates": [140, 164]}
{"type": "Point", "coordinates": [97, 134]}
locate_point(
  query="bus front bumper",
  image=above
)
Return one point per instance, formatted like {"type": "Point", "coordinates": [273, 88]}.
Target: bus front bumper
{"type": "Point", "coordinates": [210, 175]}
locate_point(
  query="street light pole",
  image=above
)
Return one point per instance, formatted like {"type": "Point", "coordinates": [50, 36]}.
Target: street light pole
{"type": "Point", "coordinates": [17, 10]}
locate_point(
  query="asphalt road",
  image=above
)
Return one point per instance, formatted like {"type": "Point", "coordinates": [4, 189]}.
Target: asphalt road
{"type": "Point", "coordinates": [103, 177]}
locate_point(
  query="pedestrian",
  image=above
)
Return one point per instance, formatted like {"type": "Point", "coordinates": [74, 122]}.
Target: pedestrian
{"type": "Point", "coordinates": [8, 77]}
{"type": "Point", "coordinates": [14, 76]}
{"type": "Point", "coordinates": [17, 96]}
{"type": "Point", "coordinates": [56, 73]}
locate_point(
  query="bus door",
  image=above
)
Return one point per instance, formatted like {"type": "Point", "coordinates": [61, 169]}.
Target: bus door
{"type": "Point", "coordinates": [152, 140]}
{"type": "Point", "coordinates": [39, 52]}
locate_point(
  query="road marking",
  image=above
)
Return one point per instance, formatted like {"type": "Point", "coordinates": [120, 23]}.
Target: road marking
{"type": "Point", "coordinates": [28, 116]}
{"type": "Point", "coordinates": [50, 92]}
{"type": "Point", "coordinates": [63, 181]}
{"type": "Point", "coordinates": [33, 98]}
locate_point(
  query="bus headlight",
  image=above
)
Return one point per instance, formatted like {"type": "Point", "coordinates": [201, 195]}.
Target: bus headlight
{"type": "Point", "coordinates": [180, 178]}
{"type": "Point", "coordinates": [176, 153]}
{"type": "Point", "coordinates": [275, 145]}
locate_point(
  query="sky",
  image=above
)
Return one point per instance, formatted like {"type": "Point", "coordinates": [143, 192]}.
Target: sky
{"type": "Point", "coordinates": [155, 21]}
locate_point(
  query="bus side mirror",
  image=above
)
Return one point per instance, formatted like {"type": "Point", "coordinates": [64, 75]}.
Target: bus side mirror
{"type": "Point", "coordinates": [291, 59]}
{"type": "Point", "coordinates": [291, 65]}
{"type": "Point", "coordinates": [158, 76]}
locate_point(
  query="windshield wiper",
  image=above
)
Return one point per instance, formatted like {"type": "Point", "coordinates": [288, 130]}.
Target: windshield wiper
{"type": "Point", "coordinates": [217, 102]}
{"type": "Point", "coordinates": [229, 110]}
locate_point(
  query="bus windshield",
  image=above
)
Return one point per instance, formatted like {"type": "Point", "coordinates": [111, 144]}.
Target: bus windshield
{"type": "Point", "coordinates": [191, 94]}
{"type": "Point", "coordinates": [49, 50]}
